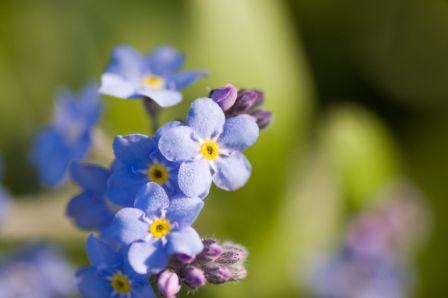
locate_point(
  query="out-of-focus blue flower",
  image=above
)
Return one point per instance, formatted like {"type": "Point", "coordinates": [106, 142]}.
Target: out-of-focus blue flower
{"type": "Point", "coordinates": [157, 228]}
{"type": "Point", "coordinates": [209, 148]}
{"type": "Point", "coordinates": [68, 138]}
{"type": "Point", "coordinates": [138, 162]}
{"type": "Point", "coordinates": [91, 209]}
{"type": "Point", "coordinates": [350, 275]}
{"type": "Point", "coordinates": [110, 274]}
{"type": "Point", "coordinates": [131, 75]}
{"type": "Point", "coordinates": [37, 271]}
{"type": "Point", "coordinates": [4, 197]}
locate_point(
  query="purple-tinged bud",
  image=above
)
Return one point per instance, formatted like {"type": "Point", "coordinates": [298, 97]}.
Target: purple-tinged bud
{"type": "Point", "coordinates": [184, 259]}
{"type": "Point", "coordinates": [245, 101]}
{"type": "Point", "coordinates": [211, 251]}
{"type": "Point", "coordinates": [217, 274]}
{"type": "Point", "coordinates": [168, 284]}
{"type": "Point", "coordinates": [193, 277]}
{"type": "Point", "coordinates": [225, 97]}
{"type": "Point", "coordinates": [238, 272]}
{"type": "Point", "coordinates": [263, 118]}
{"type": "Point", "coordinates": [232, 254]}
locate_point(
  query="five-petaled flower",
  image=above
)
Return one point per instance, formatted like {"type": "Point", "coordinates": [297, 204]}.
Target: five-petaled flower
{"type": "Point", "coordinates": [69, 137]}
{"type": "Point", "coordinates": [91, 209]}
{"type": "Point", "coordinates": [209, 147]}
{"type": "Point", "coordinates": [156, 228]}
{"type": "Point", "coordinates": [110, 274]}
{"type": "Point", "coordinates": [139, 161]}
{"type": "Point", "coordinates": [131, 75]}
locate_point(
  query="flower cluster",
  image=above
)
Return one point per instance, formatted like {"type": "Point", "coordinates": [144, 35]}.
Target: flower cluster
{"type": "Point", "coordinates": [144, 205]}
{"type": "Point", "coordinates": [36, 271]}
{"type": "Point", "coordinates": [373, 260]}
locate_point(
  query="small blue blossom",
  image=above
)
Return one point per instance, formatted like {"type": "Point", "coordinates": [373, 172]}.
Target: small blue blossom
{"type": "Point", "coordinates": [69, 137]}
{"type": "Point", "coordinates": [4, 197]}
{"type": "Point", "coordinates": [110, 274]}
{"type": "Point", "coordinates": [157, 228]}
{"type": "Point", "coordinates": [209, 148]}
{"type": "Point", "coordinates": [347, 274]}
{"type": "Point", "coordinates": [91, 209]}
{"type": "Point", "coordinates": [138, 162]}
{"type": "Point", "coordinates": [36, 271]}
{"type": "Point", "coordinates": [131, 75]}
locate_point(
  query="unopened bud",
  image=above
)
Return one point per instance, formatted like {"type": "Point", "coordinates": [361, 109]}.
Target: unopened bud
{"type": "Point", "coordinates": [184, 259]}
{"type": "Point", "coordinates": [232, 254]}
{"type": "Point", "coordinates": [245, 101]}
{"type": "Point", "coordinates": [238, 272]}
{"type": "Point", "coordinates": [193, 277]}
{"type": "Point", "coordinates": [263, 118]}
{"type": "Point", "coordinates": [217, 274]}
{"type": "Point", "coordinates": [225, 97]}
{"type": "Point", "coordinates": [211, 251]}
{"type": "Point", "coordinates": [168, 284]}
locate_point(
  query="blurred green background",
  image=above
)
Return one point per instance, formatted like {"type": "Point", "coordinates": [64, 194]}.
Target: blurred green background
{"type": "Point", "coordinates": [358, 90]}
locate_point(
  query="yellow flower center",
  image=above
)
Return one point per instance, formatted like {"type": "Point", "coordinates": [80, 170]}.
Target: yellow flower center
{"type": "Point", "coordinates": [209, 149]}
{"type": "Point", "coordinates": [154, 82]}
{"type": "Point", "coordinates": [121, 284]}
{"type": "Point", "coordinates": [160, 228]}
{"type": "Point", "coordinates": [158, 173]}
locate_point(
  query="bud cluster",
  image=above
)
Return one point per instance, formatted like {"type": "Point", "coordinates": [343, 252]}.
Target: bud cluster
{"type": "Point", "coordinates": [216, 264]}
{"type": "Point", "coordinates": [245, 101]}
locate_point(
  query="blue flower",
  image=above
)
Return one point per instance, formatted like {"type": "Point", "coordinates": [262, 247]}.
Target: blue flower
{"type": "Point", "coordinates": [130, 75]}
{"type": "Point", "coordinates": [4, 197]}
{"type": "Point", "coordinates": [351, 275]}
{"type": "Point", "coordinates": [209, 147]}
{"type": "Point", "coordinates": [110, 274]}
{"type": "Point", "coordinates": [157, 228]}
{"type": "Point", "coordinates": [69, 136]}
{"type": "Point", "coordinates": [36, 271]}
{"type": "Point", "coordinates": [138, 162]}
{"type": "Point", "coordinates": [91, 209]}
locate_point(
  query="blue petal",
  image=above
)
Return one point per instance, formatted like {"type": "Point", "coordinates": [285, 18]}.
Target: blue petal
{"type": "Point", "coordinates": [206, 118]}
{"type": "Point", "coordinates": [51, 157]}
{"type": "Point", "coordinates": [124, 184]}
{"type": "Point", "coordinates": [134, 150]}
{"type": "Point", "coordinates": [125, 62]}
{"type": "Point", "coordinates": [89, 104]}
{"type": "Point", "coordinates": [164, 128]}
{"type": "Point", "coordinates": [233, 171]}
{"type": "Point", "coordinates": [195, 178]}
{"type": "Point", "coordinates": [165, 60]}
{"type": "Point", "coordinates": [114, 85]}
{"type": "Point", "coordinates": [185, 241]}
{"type": "Point", "coordinates": [90, 177]}
{"type": "Point", "coordinates": [151, 199]}
{"type": "Point", "coordinates": [88, 211]}
{"type": "Point", "coordinates": [163, 97]}
{"type": "Point", "coordinates": [91, 285]}
{"type": "Point", "coordinates": [177, 144]}
{"type": "Point", "coordinates": [144, 291]}
{"type": "Point", "coordinates": [184, 211]}
{"type": "Point", "coordinates": [102, 255]}
{"type": "Point", "coordinates": [184, 79]}
{"type": "Point", "coordinates": [128, 226]}
{"type": "Point", "coordinates": [239, 133]}
{"type": "Point", "coordinates": [147, 257]}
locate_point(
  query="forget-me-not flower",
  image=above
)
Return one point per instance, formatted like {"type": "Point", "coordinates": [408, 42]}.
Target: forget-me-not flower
{"type": "Point", "coordinates": [91, 209]}
{"type": "Point", "coordinates": [138, 162]}
{"type": "Point", "coordinates": [37, 271]}
{"type": "Point", "coordinates": [157, 228]}
{"type": "Point", "coordinates": [69, 137]}
{"type": "Point", "coordinates": [110, 274]}
{"type": "Point", "coordinates": [209, 147]}
{"type": "Point", "coordinates": [131, 75]}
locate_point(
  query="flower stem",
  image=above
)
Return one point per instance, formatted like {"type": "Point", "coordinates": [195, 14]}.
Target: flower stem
{"type": "Point", "coordinates": [152, 109]}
